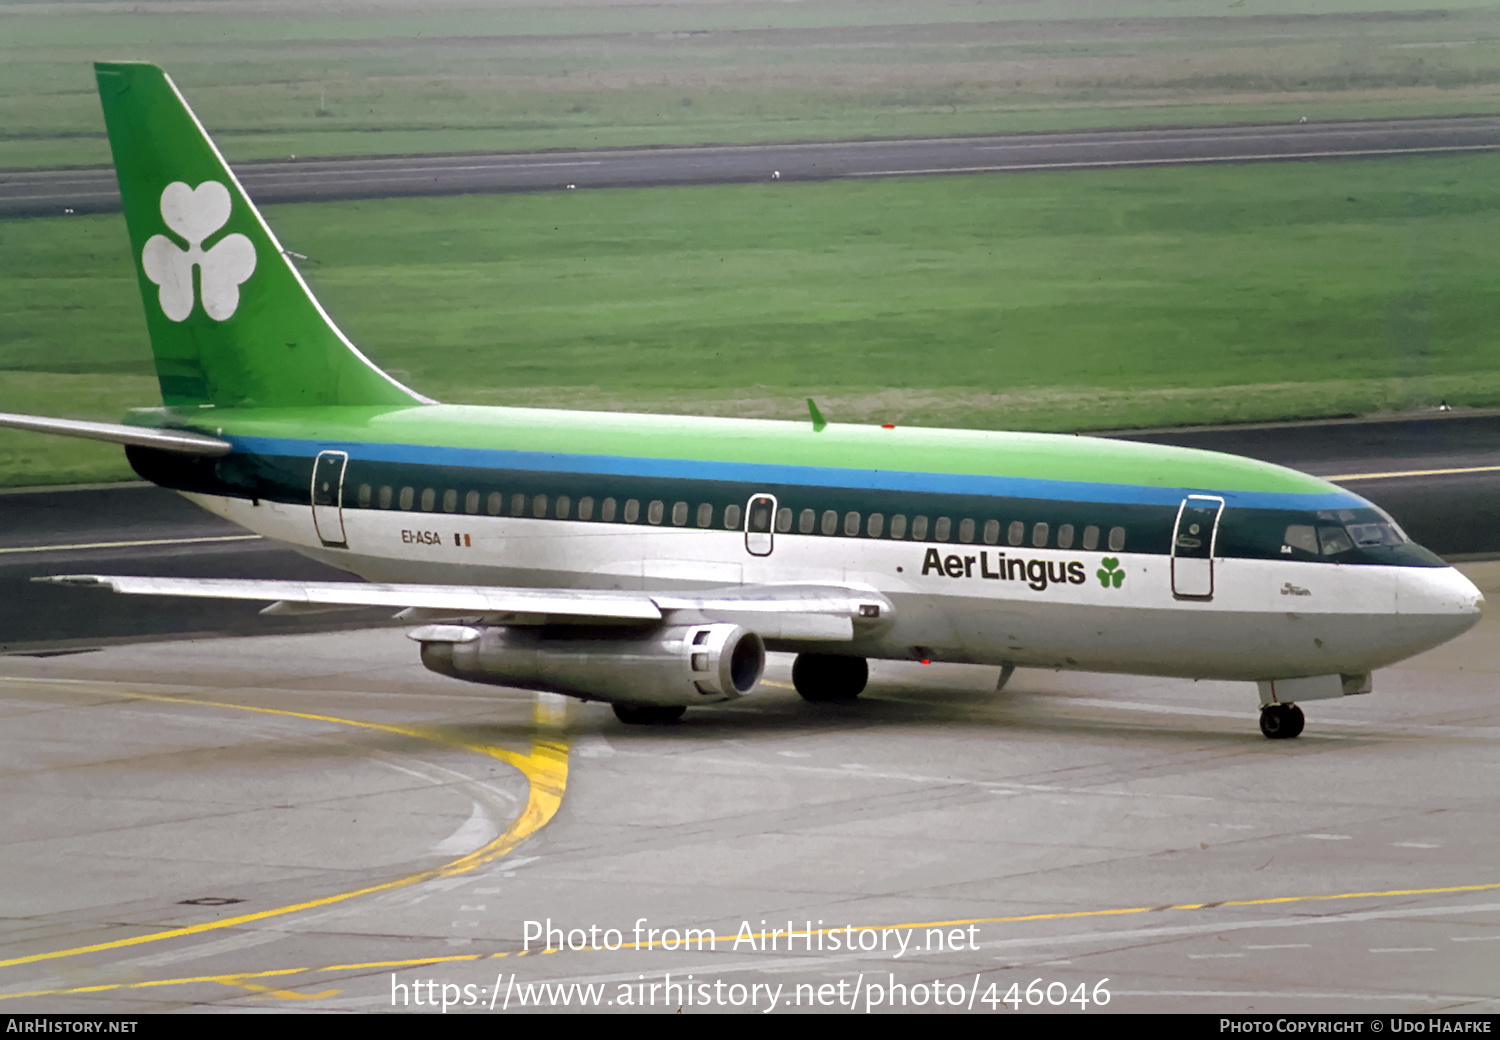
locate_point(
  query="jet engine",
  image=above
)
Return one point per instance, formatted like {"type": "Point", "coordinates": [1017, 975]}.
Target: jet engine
{"type": "Point", "coordinates": [671, 666]}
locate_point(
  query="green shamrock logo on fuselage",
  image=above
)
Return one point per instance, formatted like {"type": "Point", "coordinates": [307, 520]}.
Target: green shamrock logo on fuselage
{"type": "Point", "coordinates": [1111, 573]}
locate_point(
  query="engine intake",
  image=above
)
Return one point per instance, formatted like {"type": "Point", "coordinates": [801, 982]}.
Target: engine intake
{"type": "Point", "coordinates": [681, 664]}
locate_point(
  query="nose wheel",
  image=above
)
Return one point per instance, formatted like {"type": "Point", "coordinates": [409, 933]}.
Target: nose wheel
{"type": "Point", "coordinates": [1281, 721]}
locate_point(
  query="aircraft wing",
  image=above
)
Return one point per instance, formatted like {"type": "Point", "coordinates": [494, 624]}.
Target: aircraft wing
{"type": "Point", "coordinates": [808, 611]}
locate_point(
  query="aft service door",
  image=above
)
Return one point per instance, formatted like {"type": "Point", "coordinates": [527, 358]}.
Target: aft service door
{"type": "Point", "coordinates": [1193, 539]}
{"type": "Point", "coordinates": [760, 525]}
{"type": "Point", "coordinates": [328, 498]}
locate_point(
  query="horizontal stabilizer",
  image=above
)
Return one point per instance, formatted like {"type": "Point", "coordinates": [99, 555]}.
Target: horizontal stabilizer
{"type": "Point", "coordinates": [179, 441]}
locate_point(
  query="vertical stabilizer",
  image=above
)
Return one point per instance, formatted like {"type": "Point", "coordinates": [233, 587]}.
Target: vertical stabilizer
{"type": "Point", "coordinates": [232, 323]}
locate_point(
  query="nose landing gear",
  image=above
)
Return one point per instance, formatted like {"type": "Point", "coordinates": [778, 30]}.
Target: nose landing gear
{"type": "Point", "coordinates": [1281, 721]}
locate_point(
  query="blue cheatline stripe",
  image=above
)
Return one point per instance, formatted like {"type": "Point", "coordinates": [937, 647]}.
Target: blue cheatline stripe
{"type": "Point", "coordinates": [772, 474]}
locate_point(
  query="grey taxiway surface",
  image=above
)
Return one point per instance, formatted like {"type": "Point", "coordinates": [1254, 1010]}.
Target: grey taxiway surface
{"type": "Point", "coordinates": [312, 821]}
{"type": "Point", "coordinates": [40, 192]}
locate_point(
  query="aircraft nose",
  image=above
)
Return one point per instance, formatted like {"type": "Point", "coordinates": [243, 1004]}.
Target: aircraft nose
{"type": "Point", "coordinates": [1450, 596]}
{"type": "Point", "coordinates": [1432, 605]}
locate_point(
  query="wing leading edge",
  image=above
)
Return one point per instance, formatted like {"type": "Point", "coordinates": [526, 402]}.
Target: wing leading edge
{"type": "Point", "coordinates": [798, 611]}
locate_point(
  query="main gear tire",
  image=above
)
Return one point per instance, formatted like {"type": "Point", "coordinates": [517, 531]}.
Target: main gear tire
{"type": "Point", "coordinates": [829, 678]}
{"type": "Point", "coordinates": [648, 714]}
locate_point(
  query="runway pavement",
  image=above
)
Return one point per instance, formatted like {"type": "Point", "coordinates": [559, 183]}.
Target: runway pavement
{"type": "Point", "coordinates": [313, 822]}
{"type": "Point", "coordinates": [52, 192]}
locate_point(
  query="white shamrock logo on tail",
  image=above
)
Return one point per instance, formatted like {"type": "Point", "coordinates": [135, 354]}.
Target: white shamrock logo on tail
{"type": "Point", "coordinates": [196, 213]}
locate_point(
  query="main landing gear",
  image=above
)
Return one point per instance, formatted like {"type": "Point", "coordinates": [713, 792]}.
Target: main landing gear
{"type": "Point", "coordinates": [1281, 721]}
{"type": "Point", "coordinates": [647, 714]}
{"type": "Point", "coordinates": [829, 677]}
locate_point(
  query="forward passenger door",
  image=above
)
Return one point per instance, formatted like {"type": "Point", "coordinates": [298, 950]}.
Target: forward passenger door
{"type": "Point", "coordinates": [760, 525]}
{"type": "Point", "coordinates": [1193, 544]}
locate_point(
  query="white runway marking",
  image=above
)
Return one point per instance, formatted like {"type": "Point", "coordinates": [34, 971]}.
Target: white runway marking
{"type": "Point", "coordinates": [1111, 163]}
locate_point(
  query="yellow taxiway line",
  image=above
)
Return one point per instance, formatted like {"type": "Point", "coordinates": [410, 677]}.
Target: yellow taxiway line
{"type": "Point", "coordinates": [545, 768]}
{"type": "Point", "coordinates": [241, 979]}
{"type": "Point", "coordinates": [1412, 473]}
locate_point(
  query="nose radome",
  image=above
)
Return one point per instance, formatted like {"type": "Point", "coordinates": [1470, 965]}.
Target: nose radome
{"type": "Point", "coordinates": [1467, 603]}
{"type": "Point", "coordinates": [1475, 599]}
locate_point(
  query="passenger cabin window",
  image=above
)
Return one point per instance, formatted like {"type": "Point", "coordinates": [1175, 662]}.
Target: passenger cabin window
{"type": "Point", "coordinates": [632, 510]}
{"type": "Point", "coordinates": [1065, 536]}
{"type": "Point", "coordinates": [607, 511]}
{"type": "Point", "coordinates": [783, 519]}
{"type": "Point", "coordinates": [1016, 533]}
{"type": "Point", "coordinates": [1090, 538]}
{"type": "Point", "coordinates": [830, 521]}
{"type": "Point", "coordinates": [495, 504]}
{"type": "Point", "coordinates": [807, 520]}
{"type": "Point", "coordinates": [408, 495]}
{"type": "Point", "coordinates": [991, 532]}
{"type": "Point", "coordinates": [564, 507]}
{"type": "Point", "coordinates": [586, 508]}
{"type": "Point", "coordinates": [654, 511]}
{"type": "Point", "coordinates": [919, 529]}
{"type": "Point", "coordinates": [875, 525]}
{"type": "Point", "coordinates": [450, 501]}
{"type": "Point", "coordinates": [966, 530]}
{"type": "Point", "coordinates": [385, 497]}
{"type": "Point", "coordinates": [851, 524]}
{"type": "Point", "coordinates": [732, 517]}
{"type": "Point", "coordinates": [517, 505]}
{"type": "Point", "coordinates": [1039, 536]}
{"type": "Point", "coordinates": [898, 526]}
{"type": "Point", "coordinates": [679, 513]}
{"type": "Point", "coordinates": [471, 502]}
{"type": "Point", "coordinates": [364, 496]}
{"type": "Point", "coordinates": [705, 515]}
{"type": "Point", "coordinates": [539, 506]}
{"type": "Point", "coordinates": [944, 529]}
{"type": "Point", "coordinates": [429, 500]}
{"type": "Point", "coordinates": [1116, 539]}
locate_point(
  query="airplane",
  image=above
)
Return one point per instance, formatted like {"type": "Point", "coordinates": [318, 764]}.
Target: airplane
{"type": "Point", "coordinates": [651, 561]}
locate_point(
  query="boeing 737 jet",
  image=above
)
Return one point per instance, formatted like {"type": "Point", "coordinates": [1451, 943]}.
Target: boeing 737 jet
{"type": "Point", "coordinates": [651, 561]}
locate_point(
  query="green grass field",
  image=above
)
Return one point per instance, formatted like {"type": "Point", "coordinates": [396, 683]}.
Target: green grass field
{"type": "Point", "coordinates": [387, 77]}
{"type": "Point", "coordinates": [1039, 301]}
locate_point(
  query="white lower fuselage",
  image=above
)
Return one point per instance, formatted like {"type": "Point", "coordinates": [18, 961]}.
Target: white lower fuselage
{"type": "Point", "coordinates": [1265, 619]}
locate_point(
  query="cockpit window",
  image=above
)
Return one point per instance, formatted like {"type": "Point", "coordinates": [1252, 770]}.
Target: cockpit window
{"type": "Point", "coordinates": [1339, 530]}
{"type": "Point", "coordinates": [1302, 536]}
{"type": "Point", "coordinates": [1334, 540]}
{"type": "Point", "coordinates": [1376, 534]}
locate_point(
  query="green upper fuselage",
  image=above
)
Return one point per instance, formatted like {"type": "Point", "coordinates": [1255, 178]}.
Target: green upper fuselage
{"type": "Point", "coordinates": [980, 476]}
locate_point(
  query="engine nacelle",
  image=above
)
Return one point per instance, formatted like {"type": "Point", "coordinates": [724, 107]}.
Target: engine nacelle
{"type": "Point", "coordinates": [681, 664]}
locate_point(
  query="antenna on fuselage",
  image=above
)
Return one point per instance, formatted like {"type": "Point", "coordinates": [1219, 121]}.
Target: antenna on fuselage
{"type": "Point", "coordinates": [817, 417]}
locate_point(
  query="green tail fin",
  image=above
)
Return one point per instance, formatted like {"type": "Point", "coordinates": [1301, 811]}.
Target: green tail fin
{"type": "Point", "coordinates": [232, 323]}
